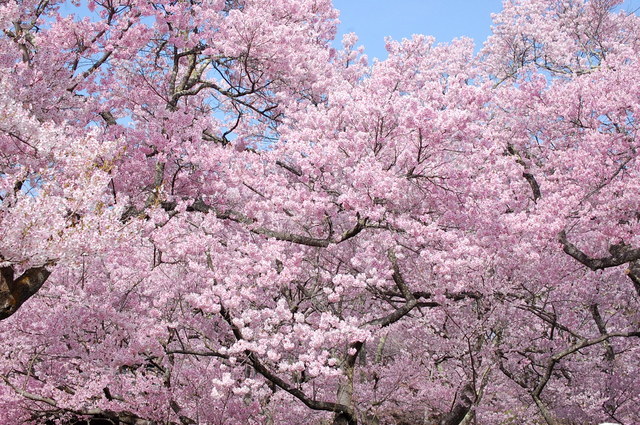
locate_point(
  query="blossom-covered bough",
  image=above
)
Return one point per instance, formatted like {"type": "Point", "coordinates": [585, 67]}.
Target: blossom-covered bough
{"type": "Point", "coordinates": [208, 215]}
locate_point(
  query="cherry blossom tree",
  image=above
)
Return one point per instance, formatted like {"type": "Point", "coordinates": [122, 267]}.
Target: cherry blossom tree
{"type": "Point", "coordinates": [211, 216]}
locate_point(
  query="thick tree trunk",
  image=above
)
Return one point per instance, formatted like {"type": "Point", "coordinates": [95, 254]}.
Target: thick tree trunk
{"type": "Point", "coordinates": [461, 407]}
{"type": "Point", "coordinates": [14, 292]}
{"type": "Point", "coordinates": [345, 390]}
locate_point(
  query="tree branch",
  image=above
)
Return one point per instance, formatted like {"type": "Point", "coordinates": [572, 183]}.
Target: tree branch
{"type": "Point", "coordinates": [200, 206]}
{"type": "Point", "coordinates": [404, 290]}
{"type": "Point", "coordinates": [14, 293]}
{"type": "Point", "coordinates": [281, 383]}
{"type": "Point", "coordinates": [289, 168]}
{"type": "Point", "coordinates": [462, 406]}
{"type": "Point", "coordinates": [595, 314]}
{"type": "Point", "coordinates": [570, 350]}
{"type": "Point", "coordinates": [533, 183]}
{"type": "Point", "coordinates": [51, 402]}
{"type": "Point", "coordinates": [634, 274]}
{"type": "Point", "coordinates": [620, 254]}
{"type": "Point", "coordinates": [123, 417]}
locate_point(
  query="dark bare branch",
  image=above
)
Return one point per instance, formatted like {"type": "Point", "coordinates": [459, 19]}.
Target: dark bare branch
{"type": "Point", "coordinates": [533, 183]}
{"type": "Point", "coordinates": [198, 353]}
{"type": "Point", "coordinates": [108, 118]}
{"type": "Point", "coordinates": [281, 383]}
{"type": "Point", "coordinates": [620, 254]}
{"type": "Point", "coordinates": [200, 206]}
{"type": "Point", "coordinates": [464, 402]}
{"type": "Point", "coordinates": [289, 168]}
{"type": "Point", "coordinates": [597, 317]}
{"type": "Point", "coordinates": [572, 349]}
{"type": "Point", "coordinates": [634, 274]}
{"type": "Point", "coordinates": [411, 301]}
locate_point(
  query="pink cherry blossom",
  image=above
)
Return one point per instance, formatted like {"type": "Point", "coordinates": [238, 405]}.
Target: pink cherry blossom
{"type": "Point", "coordinates": [209, 215]}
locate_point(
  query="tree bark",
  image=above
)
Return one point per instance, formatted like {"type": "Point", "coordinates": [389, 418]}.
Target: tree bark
{"type": "Point", "coordinates": [14, 292]}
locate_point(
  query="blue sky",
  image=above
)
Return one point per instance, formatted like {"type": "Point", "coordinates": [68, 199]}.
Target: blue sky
{"type": "Point", "coordinates": [372, 20]}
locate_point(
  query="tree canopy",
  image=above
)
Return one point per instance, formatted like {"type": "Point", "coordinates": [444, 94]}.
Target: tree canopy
{"type": "Point", "coordinates": [209, 215]}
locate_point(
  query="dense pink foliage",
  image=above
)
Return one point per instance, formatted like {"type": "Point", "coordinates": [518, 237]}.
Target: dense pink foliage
{"type": "Point", "coordinates": [244, 225]}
